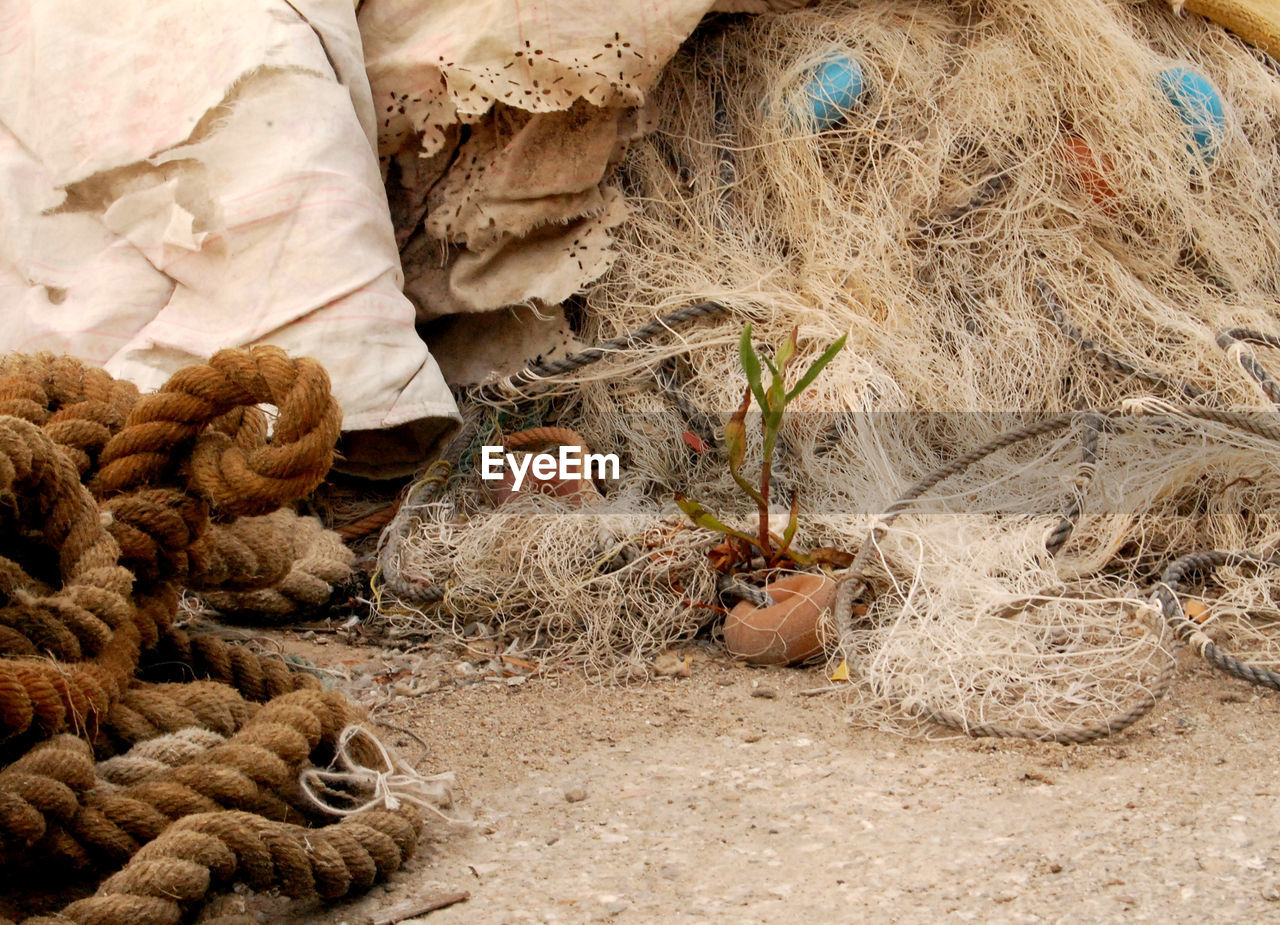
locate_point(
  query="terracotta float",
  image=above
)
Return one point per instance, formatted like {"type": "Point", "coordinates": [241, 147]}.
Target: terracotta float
{"type": "Point", "coordinates": [791, 631]}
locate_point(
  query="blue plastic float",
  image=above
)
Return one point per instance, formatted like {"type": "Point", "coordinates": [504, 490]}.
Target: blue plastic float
{"type": "Point", "coordinates": [1199, 107]}
{"type": "Point", "coordinates": [830, 90]}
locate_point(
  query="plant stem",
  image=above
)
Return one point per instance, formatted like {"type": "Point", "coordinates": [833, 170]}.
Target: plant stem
{"type": "Point", "coordinates": [763, 501]}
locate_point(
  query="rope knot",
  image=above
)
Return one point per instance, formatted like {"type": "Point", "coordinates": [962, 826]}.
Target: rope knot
{"type": "Point", "coordinates": [390, 786]}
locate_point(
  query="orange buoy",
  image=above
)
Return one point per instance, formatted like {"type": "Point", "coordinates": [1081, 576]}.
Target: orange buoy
{"type": "Point", "coordinates": [1088, 170]}
{"type": "Point", "coordinates": [791, 631]}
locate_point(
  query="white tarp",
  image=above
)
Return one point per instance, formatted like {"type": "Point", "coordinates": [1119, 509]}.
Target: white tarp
{"type": "Point", "coordinates": [180, 177]}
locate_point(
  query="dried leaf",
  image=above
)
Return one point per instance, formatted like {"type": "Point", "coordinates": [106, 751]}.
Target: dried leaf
{"type": "Point", "coordinates": [830, 555]}
{"type": "Point", "coordinates": [696, 443]}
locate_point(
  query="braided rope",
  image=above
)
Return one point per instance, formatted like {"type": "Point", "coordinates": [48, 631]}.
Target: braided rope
{"type": "Point", "coordinates": [180, 867]}
{"type": "Point", "coordinates": [147, 711]}
{"type": "Point", "coordinates": [316, 560]}
{"type": "Point", "coordinates": [106, 500]}
{"type": "Point", "coordinates": [1108, 357]}
{"type": "Point", "coordinates": [1080, 734]}
{"type": "Point", "coordinates": [1166, 594]}
{"type": "Point", "coordinates": [157, 754]}
{"type": "Point", "coordinates": [1090, 429]}
{"type": "Point", "coordinates": [240, 473]}
{"type": "Point", "coordinates": [371, 523]}
{"type": "Point", "coordinates": [537, 437]}
{"type": "Point", "coordinates": [78, 406]}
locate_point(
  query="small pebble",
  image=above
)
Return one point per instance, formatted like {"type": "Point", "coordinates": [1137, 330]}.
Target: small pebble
{"type": "Point", "coordinates": [616, 907]}
{"type": "Point", "coordinates": [575, 794]}
{"type": "Point", "coordinates": [768, 693]}
{"type": "Point", "coordinates": [1271, 894]}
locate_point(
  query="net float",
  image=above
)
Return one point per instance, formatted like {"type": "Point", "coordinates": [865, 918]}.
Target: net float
{"type": "Point", "coordinates": [1199, 107]}
{"type": "Point", "coordinates": [791, 631]}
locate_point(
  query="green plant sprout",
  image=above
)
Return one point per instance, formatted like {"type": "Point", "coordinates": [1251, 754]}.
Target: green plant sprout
{"type": "Point", "coordinates": [773, 400]}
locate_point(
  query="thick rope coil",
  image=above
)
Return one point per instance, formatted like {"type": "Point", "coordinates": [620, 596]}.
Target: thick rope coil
{"type": "Point", "coordinates": [89, 617]}
{"type": "Point", "coordinates": [45, 784]}
{"type": "Point", "coordinates": [213, 850]}
{"type": "Point", "coordinates": [249, 552]}
{"type": "Point", "coordinates": [241, 473]}
{"type": "Point", "coordinates": [155, 755]}
{"type": "Point", "coordinates": [181, 656]}
{"type": "Point", "coordinates": [78, 406]}
{"type": "Point", "coordinates": [147, 711]}
{"type": "Point", "coordinates": [254, 770]}
{"type": "Point", "coordinates": [319, 561]}
{"type": "Point", "coordinates": [105, 498]}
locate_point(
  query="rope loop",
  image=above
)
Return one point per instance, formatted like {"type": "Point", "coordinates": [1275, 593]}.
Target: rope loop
{"type": "Point", "coordinates": [390, 785]}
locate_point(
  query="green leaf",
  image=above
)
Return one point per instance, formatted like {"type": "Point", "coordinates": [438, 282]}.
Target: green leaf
{"type": "Point", "coordinates": [772, 424]}
{"type": "Point", "coordinates": [751, 364]}
{"type": "Point", "coordinates": [818, 365]}
{"type": "Point", "coordinates": [787, 350]}
{"type": "Point", "coordinates": [705, 519]}
{"type": "Point", "coordinates": [793, 522]}
{"type": "Point", "coordinates": [801, 559]}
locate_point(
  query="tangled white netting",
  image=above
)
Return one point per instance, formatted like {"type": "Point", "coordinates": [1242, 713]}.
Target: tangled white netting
{"type": "Point", "coordinates": [1001, 151]}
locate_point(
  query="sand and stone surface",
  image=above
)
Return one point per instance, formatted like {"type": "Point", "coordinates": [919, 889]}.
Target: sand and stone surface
{"type": "Point", "coordinates": [729, 796]}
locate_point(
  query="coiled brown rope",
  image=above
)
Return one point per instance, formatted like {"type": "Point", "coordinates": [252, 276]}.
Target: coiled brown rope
{"type": "Point", "coordinates": [106, 500]}
{"type": "Point", "coordinates": [156, 754]}
{"type": "Point", "coordinates": [316, 560]}
{"type": "Point", "coordinates": [255, 770]}
{"type": "Point", "coordinates": [82, 408]}
{"type": "Point", "coordinates": [538, 437]}
{"type": "Point", "coordinates": [178, 869]}
{"type": "Point", "coordinates": [240, 472]}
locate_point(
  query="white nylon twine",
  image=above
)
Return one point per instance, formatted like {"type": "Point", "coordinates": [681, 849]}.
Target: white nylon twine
{"type": "Point", "coordinates": [396, 783]}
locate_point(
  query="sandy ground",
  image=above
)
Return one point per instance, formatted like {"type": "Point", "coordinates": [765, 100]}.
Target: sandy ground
{"type": "Point", "coordinates": [729, 796]}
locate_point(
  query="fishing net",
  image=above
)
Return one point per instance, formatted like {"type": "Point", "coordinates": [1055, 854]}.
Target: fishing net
{"type": "Point", "coordinates": [1021, 214]}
